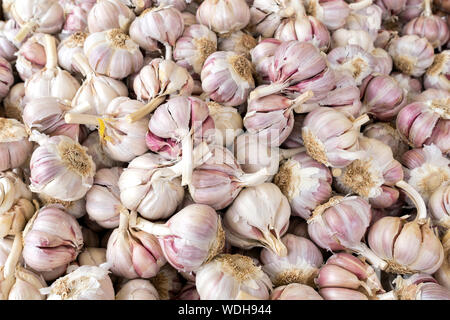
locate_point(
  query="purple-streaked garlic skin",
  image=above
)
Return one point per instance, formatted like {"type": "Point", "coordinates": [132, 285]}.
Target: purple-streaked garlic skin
{"type": "Point", "coordinates": [162, 24]}
{"type": "Point", "coordinates": [103, 199]}
{"type": "Point", "coordinates": [412, 10]}
{"type": "Point", "coordinates": [438, 75]}
{"type": "Point", "coordinates": [14, 145]}
{"type": "Point", "coordinates": [305, 29]}
{"type": "Point", "coordinates": [113, 53]}
{"type": "Point", "coordinates": [354, 60]}
{"type": "Point", "coordinates": [189, 18]}
{"type": "Point", "coordinates": [426, 122]}
{"type": "Point", "coordinates": [383, 97]}
{"type": "Point", "coordinates": [6, 77]}
{"type": "Point", "coordinates": [295, 291]}
{"type": "Point", "coordinates": [195, 45]}
{"type": "Point", "coordinates": [443, 274]}
{"type": "Point", "coordinates": [224, 16]}
{"type": "Point", "coordinates": [133, 254]}
{"type": "Point", "coordinates": [137, 289]}
{"type": "Point", "coordinates": [294, 140]}
{"type": "Point", "coordinates": [340, 223]}
{"type": "Point", "coordinates": [95, 150]}
{"type": "Point", "coordinates": [46, 115]}
{"type": "Point", "coordinates": [76, 208]}
{"type": "Point", "coordinates": [439, 204]}
{"type": "Point", "coordinates": [172, 122]}
{"type": "Point", "coordinates": [68, 48]}
{"type": "Point", "coordinates": [407, 247]}
{"type": "Point", "coordinates": [383, 61]}
{"type": "Point", "coordinates": [383, 38]}
{"type": "Point", "coordinates": [332, 13]}
{"type": "Point", "coordinates": [412, 85]}
{"type": "Point", "coordinates": [227, 78]}
{"type": "Point", "coordinates": [301, 264]}
{"type": "Point", "coordinates": [368, 19]}
{"type": "Point", "coordinates": [391, 7]}
{"type": "Point", "coordinates": [151, 199]}
{"type": "Point", "coordinates": [47, 15]}
{"type": "Point", "coordinates": [344, 37]}
{"type": "Point", "coordinates": [419, 286]}
{"type": "Point", "coordinates": [76, 12]}
{"type": "Point", "coordinates": [238, 41]}
{"type": "Point", "coordinates": [258, 217]}
{"type": "Point", "coordinates": [231, 277]}
{"type": "Point", "coordinates": [262, 56]}
{"type": "Point", "coordinates": [411, 54]}
{"type": "Point", "coordinates": [346, 277]}
{"type": "Point", "coordinates": [330, 137]}
{"type": "Point", "coordinates": [8, 45]}
{"type": "Point", "coordinates": [387, 134]}
{"type": "Point", "coordinates": [31, 56]}
{"type": "Point", "coordinates": [53, 240]}
{"type": "Point", "coordinates": [227, 122]}
{"type": "Point", "coordinates": [305, 182]}
{"type": "Point", "coordinates": [61, 168]}
{"type": "Point", "coordinates": [181, 5]}
{"type": "Point", "coordinates": [195, 236]}
{"type": "Point", "coordinates": [162, 77]}
{"type": "Point", "coordinates": [109, 14]}
{"type": "Point", "coordinates": [426, 169]}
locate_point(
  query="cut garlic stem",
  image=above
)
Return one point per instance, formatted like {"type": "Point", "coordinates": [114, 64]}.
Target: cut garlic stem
{"type": "Point", "coordinates": [253, 179]}
{"type": "Point", "coordinates": [25, 30]}
{"type": "Point", "coordinates": [50, 52]}
{"type": "Point", "coordinates": [168, 51]}
{"type": "Point", "coordinates": [416, 198]}
{"type": "Point", "coordinates": [358, 122]}
{"type": "Point", "coordinates": [427, 12]}
{"type": "Point", "coordinates": [297, 104]}
{"type": "Point", "coordinates": [81, 118]}
{"type": "Point", "coordinates": [366, 252]}
{"type": "Point", "coordinates": [82, 64]}
{"type": "Point", "coordinates": [275, 244]}
{"type": "Point", "coordinates": [356, 6]}
{"type": "Point", "coordinates": [157, 229]}
{"type": "Point", "coordinates": [124, 220]}
{"type": "Point", "coordinates": [336, 172]}
{"type": "Point", "coordinates": [287, 153]}
{"type": "Point", "coordinates": [145, 110]}
{"type": "Point", "coordinates": [187, 159]}
{"type": "Point", "coordinates": [267, 90]}
{"type": "Point", "coordinates": [14, 256]}
{"type": "Point", "coordinates": [387, 296]}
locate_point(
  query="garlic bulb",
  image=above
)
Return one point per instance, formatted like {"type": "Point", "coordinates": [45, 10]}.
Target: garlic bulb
{"type": "Point", "coordinates": [46, 16]}
{"type": "Point", "coordinates": [412, 55]}
{"type": "Point", "coordinates": [113, 53]}
{"type": "Point", "coordinates": [443, 274]}
{"type": "Point", "coordinates": [76, 12]}
{"type": "Point", "coordinates": [161, 24]}
{"type": "Point", "coordinates": [412, 85]}
{"type": "Point", "coordinates": [305, 182]}
{"type": "Point", "coordinates": [61, 168]}
{"type": "Point", "coordinates": [345, 277]}
{"type": "Point", "coordinates": [437, 75]}
{"type": "Point", "coordinates": [137, 289]}
{"type": "Point", "coordinates": [12, 103]}
{"type": "Point", "coordinates": [227, 78]}
{"type": "Point", "coordinates": [232, 277]}
{"type": "Point", "coordinates": [31, 56]}
{"type": "Point", "coordinates": [227, 122]}
{"type": "Point", "coordinates": [95, 150]}
{"type": "Point", "coordinates": [262, 56]}
{"type": "Point", "coordinates": [367, 19]}
{"type": "Point", "coordinates": [295, 140]}
{"type": "Point", "coordinates": [299, 266]}
{"type": "Point", "coordinates": [387, 134]}
{"type": "Point", "coordinates": [223, 16]}
{"type": "Point", "coordinates": [391, 7]}
{"type": "Point", "coordinates": [103, 199]}
{"type": "Point", "coordinates": [14, 145]}
{"type": "Point", "coordinates": [52, 239]}
{"type": "Point", "coordinates": [426, 169]}
{"type": "Point", "coordinates": [133, 254]}
{"type": "Point", "coordinates": [439, 205]}
{"type": "Point", "coordinates": [167, 282]}
{"type": "Point", "coordinates": [295, 291]}
{"type": "Point", "coordinates": [92, 256]}
{"type": "Point", "coordinates": [337, 146]}
{"type": "Point", "coordinates": [258, 217]}
{"type": "Point", "coordinates": [344, 37]}
{"type": "Point", "coordinates": [109, 14]}
{"type": "Point", "coordinates": [51, 81]}
{"type": "Point", "coordinates": [412, 10]}
{"type": "Point", "coordinates": [238, 41]}
{"type": "Point", "coordinates": [77, 208]}
{"type": "Point", "coordinates": [27, 285]}
{"type": "Point", "coordinates": [419, 287]}
{"type": "Point", "coordinates": [8, 45]}
{"type": "Point", "coordinates": [85, 283]}
{"type": "Point", "coordinates": [68, 48]}
{"type": "Point", "coordinates": [195, 45]}
{"type": "Point", "coordinates": [6, 77]}
{"type": "Point", "coordinates": [190, 238]}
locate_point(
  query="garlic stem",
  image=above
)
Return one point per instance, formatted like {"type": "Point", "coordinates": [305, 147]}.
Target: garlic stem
{"type": "Point", "coordinates": [157, 229]}
{"type": "Point", "coordinates": [187, 159]}
{"type": "Point", "coordinates": [145, 110]}
{"type": "Point", "coordinates": [297, 103]}
{"type": "Point", "coordinates": [287, 153]}
{"type": "Point", "coordinates": [374, 260]}
{"type": "Point", "coordinates": [82, 64]}
{"type": "Point", "coordinates": [416, 198]}
{"type": "Point", "coordinates": [201, 154]}
{"type": "Point", "coordinates": [275, 244]}
{"type": "Point", "coordinates": [25, 30]}
{"type": "Point", "coordinates": [427, 12]}
{"type": "Point", "coordinates": [336, 172]}
{"type": "Point", "coordinates": [124, 220]}
{"type": "Point", "coordinates": [81, 118]}
{"type": "Point", "coordinates": [50, 52]}
{"type": "Point", "coordinates": [14, 256]}
{"type": "Point", "coordinates": [356, 6]}
{"type": "Point", "coordinates": [253, 179]}
{"type": "Point", "coordinates": [387, 296]}
{"type": "Point", "coordinates": [267, 90]}
{"type": "Point", "coordinates": [168, 51]}
{"type": "Point", "coordinates": [358, 122]}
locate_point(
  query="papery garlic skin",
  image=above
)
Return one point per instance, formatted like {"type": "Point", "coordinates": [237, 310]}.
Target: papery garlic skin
{"type": "Point", "coordinates": [343, 37]}
{"type": "Point", "coordinates": [195, 45]}
{"type": "Point", "coordinates": [232, 277]}
{"type": "Point", "coordinates": [103, 199]}
{"type": "Point", "coordinates": [5, 249]}
{"type": "Point", "coordinates": [412, 85]}
{"type": "Point", "coordinates": [137, 289]}
{"type": "Point", "coordinates": [85, 283]}
{"type": "Point", "coordinates": [13, 102]}
{"type": "Point", "coordinates": [227, 78]}
{"type": "Point", "coordinates": [109, 14]}
{"type": "Point", "coordinates": [439, 204]}
{"type": "Point", "coordinates": [426, 169]}
{"type": "Point", "coordinates": [227, 121]}
{"type": "Point", "coordinates": [95, 150]}
{"type": "Point", "coordinates": [8, 45]}
{"type": "Point", "coordinates": [14, 145]}
{"type": "Point", "coordinates": [261, 56]}
{"type": "Point", "coordinates": [61, 168]}
{"type": "Point", "coordinates": [113, 53]}
{"type": "Point", "coordinates": [92, 256]}
{"type": "Point", "coordinates": [68, 48]}
{"type": "Point", "coordinates": [259, 216]}
{"type": "Point", "coordinates": [443, 274]}
{"type": "Point", "coordinates": [53, 239]}
{"type": "Point", "coordinates": [305, 182]}
{"type": "Point", "coordinates": [6, 77]}
{"type": "Point", "coordinates": [27, 285]}
{"type": "Point", "coordinates": [419, 286]}
{"type": "Point", "coordinates": [411, 54]}
{"type": "Point", "coordinates": [437, 76]}
{"type": "Point", "coordinates": [31, 56]}
{"type": "Point", "coordinates": [238, 41]}
{"type": "Point", "coordinates": [368, 19]}
{"type": "Point", "coordinates": [224, 16]}
{"type": "Point", "coordinates": [300, 265]}
{"type": "Point", "coordinates": [295, 291]}
{"type": "Point", "coordinates": [76, 208]}
{"type": "Point", "coordinates": [387, 134]}
{"type": "Point", "coordinates": [76, 12]}
{"type": "Point", "coordinates": [407, 247]}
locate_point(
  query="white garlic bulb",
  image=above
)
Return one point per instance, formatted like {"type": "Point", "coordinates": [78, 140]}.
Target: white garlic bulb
{"type": "Point", "coordinates": [137, 289]}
